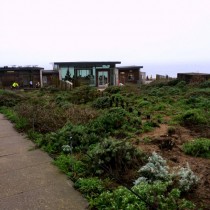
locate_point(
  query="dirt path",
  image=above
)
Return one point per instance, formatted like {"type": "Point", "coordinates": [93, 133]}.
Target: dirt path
{"type": "Point", "coordinates": [28, 180]}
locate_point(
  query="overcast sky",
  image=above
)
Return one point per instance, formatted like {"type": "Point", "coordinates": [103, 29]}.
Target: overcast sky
{"type": "Point", "coordinates": [165, 36]}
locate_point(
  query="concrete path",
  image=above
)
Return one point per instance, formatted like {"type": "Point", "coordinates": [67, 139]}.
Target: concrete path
{"type": "Point", "coordinates": [28, 180]}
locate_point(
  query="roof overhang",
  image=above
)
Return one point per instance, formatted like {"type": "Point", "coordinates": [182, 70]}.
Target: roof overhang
{"type": "Point", "coordinates": [87, 63]}
{"type": "Point", "coordinates": [21, 68]}
{"type": "Point", "coordinates": [126, 68]}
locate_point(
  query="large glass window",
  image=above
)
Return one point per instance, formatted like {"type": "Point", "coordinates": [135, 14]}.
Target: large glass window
{"type": "Point", "coordinates": [65, 71]}
{"type": "Point", "coordinates": [85, 73]}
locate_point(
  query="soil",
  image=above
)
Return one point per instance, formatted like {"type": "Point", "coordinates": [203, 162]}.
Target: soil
{"type": "Point", "coordinates": [170, 148]}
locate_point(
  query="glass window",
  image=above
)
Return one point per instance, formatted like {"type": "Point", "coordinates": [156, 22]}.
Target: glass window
{"type": "Point", "coordinates": [130, 77]}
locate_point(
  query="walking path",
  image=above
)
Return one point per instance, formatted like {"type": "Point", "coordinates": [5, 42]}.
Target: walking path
{"type": "Point", "coordinates": [28, 179]}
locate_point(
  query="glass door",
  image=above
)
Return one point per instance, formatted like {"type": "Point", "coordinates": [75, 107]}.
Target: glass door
{"type": "Point", "coordinates": [102, 78]}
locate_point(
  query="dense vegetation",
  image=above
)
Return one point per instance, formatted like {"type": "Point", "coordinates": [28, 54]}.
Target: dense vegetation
{"type": "Point", "coordinates": [94, 138]}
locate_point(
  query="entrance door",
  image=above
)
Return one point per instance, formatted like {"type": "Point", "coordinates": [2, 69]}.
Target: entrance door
{"type": "Point", "coordinates": [102, 78]}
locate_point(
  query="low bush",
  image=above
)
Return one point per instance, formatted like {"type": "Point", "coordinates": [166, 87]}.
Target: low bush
{"type": "Point", "coordinates": [10, 98]}
{"type": "Point", "coordinates": [90, 187]}
{"type": "Point", "coordinates": [109, 121]}
{"type": "Point", "coordinates": [79, 115]}
{"type": "Point", "coordinates": [205, 84]}
{"type": "Point", "coordinates": [199, 147]}
{"type": "Point", "coordinates": [157, 170]}
{"type": "Point", "coordinates": [115, 157]}
{"type": "Point", "coordinates": [187, 180]}
{"type": "Point", "coordinates": [71, 166]}
{"type": "Point", "coordinates": [42, 118]}
{"type": "Point", "coordinates": [192, 117]}
{"type": "Point", "coordinates": [53, 142]}
{"type": "Point", "coordinates": [113, 89]}
{"type": "Point", "coordinates": [63, 162]}
{"type": "Point", "coordinates": [148, 126]}
{"type": "Point", "coordinates": [84, 94]}
{"type": "Point", "coordinates": [115, 118]}
{"type": "Point", "coordinates": [157, 195]}
{"type": "Point", "coordinates": [181, 84]}
{"type": "Point", "coordinates": [102, 102]}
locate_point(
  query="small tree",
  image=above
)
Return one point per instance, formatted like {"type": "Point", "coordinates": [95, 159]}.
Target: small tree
{"type": "Point", "coordinates": [68, 75]}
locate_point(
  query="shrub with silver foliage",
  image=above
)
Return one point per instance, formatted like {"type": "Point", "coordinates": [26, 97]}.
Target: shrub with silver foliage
{"type": "Point", "coordinates": [155, 169]}
{"type": "Point", "coordinates": [187, 179]}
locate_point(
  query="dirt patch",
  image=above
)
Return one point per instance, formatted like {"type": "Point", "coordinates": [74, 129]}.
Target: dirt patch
{"type": "Point", "coordinates": [175, 157]}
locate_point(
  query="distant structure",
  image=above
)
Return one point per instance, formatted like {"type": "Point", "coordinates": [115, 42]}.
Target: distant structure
{"type": "Point", "coordinates": [99, 73]}
{"type": "Point", "coordinates": [25, 76]}
{"type": "Point", "coordinates": [21, 75]}
{"type": "Point", "coordinates": [130, 74]}
{"type": "Point", "coordinates": [193, 77]}
{"type": "Point", "coordinates": [94, 73]}
{"type": "Point", "coordinates": [50, 77]}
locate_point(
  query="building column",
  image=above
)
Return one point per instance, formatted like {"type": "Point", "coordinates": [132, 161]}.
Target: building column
{"type": "Point", "coordinates": [41, 81]}
{"type": "Point", "coordinates": [116, 77]}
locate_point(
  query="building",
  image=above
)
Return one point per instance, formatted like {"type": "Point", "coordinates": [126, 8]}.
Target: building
{"type": "Point", "coordinates": [130, 74]}
{"type": "Point", "coordinates": [50, 77]}
{"type": "Point", "coordinates": [190, 77]}
{"type": "Point", "coordinates": [95, 73]}
{"type": "Point", "coordinates": [22, 75]}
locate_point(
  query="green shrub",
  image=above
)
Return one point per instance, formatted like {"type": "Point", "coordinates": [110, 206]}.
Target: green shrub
{"type": "Point", "coordinates": [205, 84]}
{"type": "Point", "coordinates": [90, 187]}
{"type": "Point", "coordinates": [34, 136]}
{"type": "Point", "coordinates": [181, 84]}
{"type": "Point", "coordinates": [21, 124]}
{"type": "Point", "coordinates": [148, 126]}
{"type": "Point", "coordinates": [157, 92]}
{"type": "Point", "coordinates": [199, 147]}
{"type": "Point", "coordinates": [10, 98]}
{"type": "Point", "coordinates": [173, 91]}
{"type": "Point", "coordinates": [9, 113]}
{"type": "Point", "coordinates": [192, 117]}
{"type": "Point", "coordinates": [151, 196]}
{"type": "Point", "coordinates": [71, 166]}
{"type": "Point", "coordinates": [115, 156]}
{"type": "Point", "coordinates": [53, 142]}
{"type": "Point", "coordinates": [84, 94]}
{"type": "Point", "coordinates": [143, 103]}
{"type": "Point", "coordinates": [113, 89]}
{"type": "Point", "coordinates": [82, 137]}
{"type": "Point", "coordinates": [63, 162]}
{"type": "Point", "coordinates": [109, 121]}
{"type": "Point", "coordinates": [173, 82]}
{"type": "Point", "coordinates": [102, 102]}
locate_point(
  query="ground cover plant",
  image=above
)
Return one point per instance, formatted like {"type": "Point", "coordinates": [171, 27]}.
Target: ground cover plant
{"type": "Point", "coordinates": [199, 147]}
{"type": "Point", "coordinates": [102, 141]}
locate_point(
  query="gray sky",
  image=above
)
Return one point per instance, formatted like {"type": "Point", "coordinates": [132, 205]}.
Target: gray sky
{"type": "Point", "coordinates": [165, 36]}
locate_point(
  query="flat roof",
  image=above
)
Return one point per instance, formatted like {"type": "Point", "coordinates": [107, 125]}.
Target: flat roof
{"type": "Point", "coordinates": [19, 68]}
{"type": "Point", "coordinates": [87, 63]}
{"type": "Point", "coordinates": [193, 73]}
{"type": "Point", "coordinates": [129, 67]}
